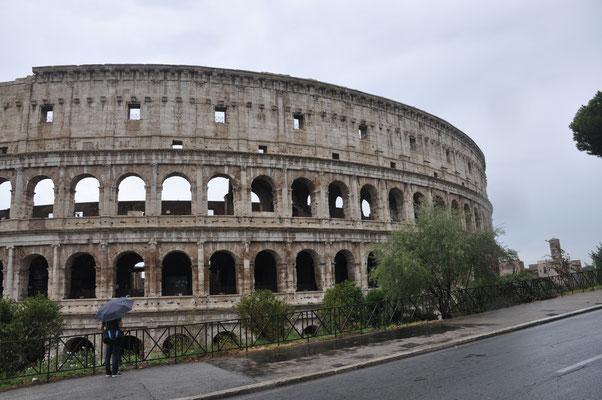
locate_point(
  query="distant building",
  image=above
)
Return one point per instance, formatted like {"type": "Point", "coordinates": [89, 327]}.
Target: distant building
{"type": "Point", "coordinates": [511, 267]}
{"type": "Point", "coordinates": [545, 268]}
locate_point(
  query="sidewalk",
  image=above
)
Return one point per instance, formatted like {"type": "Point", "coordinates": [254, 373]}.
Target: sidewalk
{"type": "Point", "coordinates": [261, 369]}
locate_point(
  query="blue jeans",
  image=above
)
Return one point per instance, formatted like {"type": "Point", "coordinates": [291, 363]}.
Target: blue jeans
{"type": "Point", "coordinates": [112, 349]}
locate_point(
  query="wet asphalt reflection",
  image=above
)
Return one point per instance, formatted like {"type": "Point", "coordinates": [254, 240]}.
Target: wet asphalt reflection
{"type": "Point", "coordinates": [262, 363]}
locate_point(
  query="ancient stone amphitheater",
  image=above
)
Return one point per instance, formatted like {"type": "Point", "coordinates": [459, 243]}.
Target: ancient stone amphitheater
{"type": "Point", "coordinates": [243, 180]}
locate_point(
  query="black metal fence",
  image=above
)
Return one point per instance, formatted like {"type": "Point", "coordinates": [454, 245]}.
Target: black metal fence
{"type": "Point", "coordinates": [45, 358]}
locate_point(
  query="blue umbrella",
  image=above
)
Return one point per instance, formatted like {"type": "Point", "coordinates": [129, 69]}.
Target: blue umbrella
{"type": "Point", "coordinates": [114, 309]}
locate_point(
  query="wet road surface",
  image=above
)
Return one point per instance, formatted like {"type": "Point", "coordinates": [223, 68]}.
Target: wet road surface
{"type": "Point", "coordinates": [559, 360]}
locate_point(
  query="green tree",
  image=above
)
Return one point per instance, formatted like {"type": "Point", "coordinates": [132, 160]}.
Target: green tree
{"type": "Point", "coordinates": [596, 256]}
{"type": "Point", "coordinates": [263, 310]}
{"type": "Point", "coordinates": [587, 126]}
{"type": "Point", "coordinates": [436, 256]}
{"type": "Point", "coordinates": [31, 322]}
{"type": "Point", "coordinates": [338, 311]}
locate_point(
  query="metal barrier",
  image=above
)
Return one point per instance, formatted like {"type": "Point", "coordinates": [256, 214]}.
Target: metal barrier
{"type": "Point", "coordinates": [44, 358]}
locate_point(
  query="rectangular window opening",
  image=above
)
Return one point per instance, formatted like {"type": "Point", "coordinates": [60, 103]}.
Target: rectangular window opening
{"type": "Point", "coordinates": [298, 122]}
{"type": "Point", "coordinates": [262, 149]}
{"type": "Point", "coordinates": [435, 174]}
{"type": "Point", "coordinates": [220, 115]}
{"type": "Point", "coordinates": [393, 165]}
{"type": "Point", "coordinates": [47, 113]}
{"type": "Point", "coordinates": [177, 144]}
{"type": "Point", "coordinates": [134, 112]}
{"type": "Point", "coordinates": [335, 156]}
{"type": "Point", "coordinates": [3, 150]}
{"type": "Point", "coordinates": [448, 155]}
{"type": "Point", "coordinates": [413, 143]}
{"type": "Point", "coordinates": [363, 131]}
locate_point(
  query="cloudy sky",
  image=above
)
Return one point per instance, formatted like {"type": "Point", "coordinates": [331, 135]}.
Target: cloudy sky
{"type": "Point", "coordinates": [510, 74]}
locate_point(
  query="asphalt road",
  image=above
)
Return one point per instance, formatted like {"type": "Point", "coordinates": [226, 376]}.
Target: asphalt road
{"type": "Point", "coordinates": [559, 360]}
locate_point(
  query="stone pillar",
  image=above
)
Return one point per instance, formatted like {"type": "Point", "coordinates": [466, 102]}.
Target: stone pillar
{"type": "Point", "coordinates": [102, 272]}
{"type": "Point", "coordinates": [244, 207]}
{"type": "Point", "coordinates": [321, 201]}
{"type": "Point", "coordinates": [353, 206]}
{"type": "Point", "coordinates": [384, 213]}
{"type": "Point", "coordinates": [408, 203]}
{"type": "Point", "coordinates": [154, 272]}
{"type": "Point", "coordinates": [282, 207]}
{"type": "Point", "coordinates": [18, 197]}
{"type": "Point", "coordinates": [328, 275]}
{"type": "Point", "coordinates": [362, 275]}
{"type": "Point", "coordinates": [201, 200]}
{"type": "Point", "coordinates": [10, 274]}
{"type": "Point", "coordinates": [200, 289]}
{"type": "Point", "coordinates": [152, 205]}
{"type": "Point", "coordinates": [291, 272]}
{"type": "Point", "coordinates": [245, 273]}
{"type": "Point", "coordinates": [56, 291]}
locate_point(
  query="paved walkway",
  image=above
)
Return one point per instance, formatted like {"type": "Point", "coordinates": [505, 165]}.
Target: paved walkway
{"type": "Point", "coordinates": [257, 369]}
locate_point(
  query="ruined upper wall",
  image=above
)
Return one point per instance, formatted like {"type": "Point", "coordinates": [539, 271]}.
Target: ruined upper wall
{"type": "Point", "coordinates": [90, 106]}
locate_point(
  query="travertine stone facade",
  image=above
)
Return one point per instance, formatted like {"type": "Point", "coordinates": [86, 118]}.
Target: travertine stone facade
{"type": "Point", "coordinates": [301, 146]}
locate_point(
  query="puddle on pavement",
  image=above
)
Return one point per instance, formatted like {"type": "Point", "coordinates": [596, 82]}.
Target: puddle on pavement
{"type": "Point", "coordinates": [266, 362]}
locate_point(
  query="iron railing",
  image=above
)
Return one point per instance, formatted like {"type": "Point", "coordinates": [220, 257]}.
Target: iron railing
{"type": "Point", "coordinates": [45, 358]}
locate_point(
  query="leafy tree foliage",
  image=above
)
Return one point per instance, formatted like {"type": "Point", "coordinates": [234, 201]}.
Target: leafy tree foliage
{"type": "Point", "coordinates": [338, 311]}
{"type": "Point", "coordinates": [587, 126]}
{"type": "Point", "coordinates": [35, 319]}
{"type": "Point", "coordinates": [596, 256]}
{"type": "Point", "coordinates": [436, 256]}
{"type": "Point", "coordinates": [258, 308]}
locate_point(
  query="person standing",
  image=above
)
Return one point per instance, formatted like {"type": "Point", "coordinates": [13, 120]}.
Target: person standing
{"type": "Point", "coordinates": [112, 338]}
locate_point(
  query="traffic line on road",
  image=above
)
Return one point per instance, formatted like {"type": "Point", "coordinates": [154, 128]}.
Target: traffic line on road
{"type": "Point", "coordinates": [579, 364]}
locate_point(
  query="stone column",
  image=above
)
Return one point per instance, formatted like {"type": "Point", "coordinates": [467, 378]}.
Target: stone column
{"type": "Point", "coordinates": [10, 274]}
{"type": "Point", "coordinates": [153, 189]}
{"type": "Point", "coordinates": [384, 212]}
{"type": "Point", "coordinates": [408, 203]}
{"type": "Point", "coordinates": [18, 197]}
{"type": "Point", "coordinates": [362, 275]}
{"type": "Point", "coordinates": [328, 273]}
{"type": "Point", "coordinates": [154, 272]}
{"type": "Point", "coordinates": [102, 281]}
{"type": "Point", "coordinates": [200, 289]}
{"type": "Point", "coordinates": [291, 271]}
{"type": "Point", "coordinates": [55, 291]}
{"type": "Point", "coordinates": [353, 206]}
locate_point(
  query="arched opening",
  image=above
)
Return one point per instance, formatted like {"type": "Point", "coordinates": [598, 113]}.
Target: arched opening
{"type": "Point", "coordinates": [86, 197]}
{"type": "Point", "coordinates": [439, 203]}
{"type": "Point", "coordinates": [467, 217]}
{"type": "Point", "coordinates": [130, 276]}
{"type": "Point", "coordinates": [301, 197]}
{"type": "Point", "coordinates": [341, 267]}
{"type": "Point", "coordinates": [337, 199]}
{"type": "Point", "coordinates": [178, 342]}
{"type": "Point", "coordinates": [455, 207]}
{"type": "Point", "coordinates": [43, 199]}
{"type": "Point", "coordinates": [222, 273]}
{"type": "Point", "coordinates": [176, 196]}
{"type": "Point", "coordinates": [5, 192]}
{"type": "Point", "coordinates": [477, 219]}
{"type": "Point", "coordinates": [176, 275]}
{"type": "Point", "coordinates": [266, 276]}
{"type": "Point", "coordinates": [418, 200]}
{"type": "Point", "coordinates": [131, 197]}
{"type": "Point", "coordinates": [220, 196]}
{"type": "Point", "coordinates": [81, 274]}
{"type": "Point", "coordinates": [371, 263]}
{"type": "Point", "coordinates": [262, 197]}
{"type": "Point", "coordinates": [396, 204]}
{"type": "Point", "coordinates": [77, 344]}
{"type": "Point", "coordinates": [37, 282]}
{"type": "Point", "coordinates": [306, 274]}
{"type": "Point", "coordinates": [368, 200]}
{"type": "Point", "coordinates": [132, 345]}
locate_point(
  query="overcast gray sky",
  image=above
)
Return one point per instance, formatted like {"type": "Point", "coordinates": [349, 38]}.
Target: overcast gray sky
{"type": "Point", "coordinates": [510, 74]}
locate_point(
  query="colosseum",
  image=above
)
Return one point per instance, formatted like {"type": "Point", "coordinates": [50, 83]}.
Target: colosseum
{"type": "Point", "coordinates": [186, 187]}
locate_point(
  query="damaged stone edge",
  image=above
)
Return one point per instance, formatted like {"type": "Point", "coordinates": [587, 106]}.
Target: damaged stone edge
{"type": "Point", "coordinates": [257, 387]}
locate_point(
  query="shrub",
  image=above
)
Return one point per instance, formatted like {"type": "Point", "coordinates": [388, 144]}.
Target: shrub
{"type": "Point", "coordinates": [31, 323]}
{"type": "Point", "coordinates": [262, 311]}
{"type": "Point", "coordinates": [338, 312]}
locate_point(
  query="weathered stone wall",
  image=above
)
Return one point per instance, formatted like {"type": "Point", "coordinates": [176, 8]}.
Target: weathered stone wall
{"type": "Point", "coordinates": [364, 146]}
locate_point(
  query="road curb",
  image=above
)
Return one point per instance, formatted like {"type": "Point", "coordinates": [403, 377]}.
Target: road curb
{"type": "Point", "coordinates": [257, 387]}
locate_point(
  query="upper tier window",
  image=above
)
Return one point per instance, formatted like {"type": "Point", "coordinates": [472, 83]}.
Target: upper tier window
{"type": "Point", "coordinates": [47, 113]}
{"type": "Point", "coordinates": [134, 112]}
{"type": "Point", "coordinates": [298, 121]}
{"type": "Point", "coordinates": [220, 115]}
